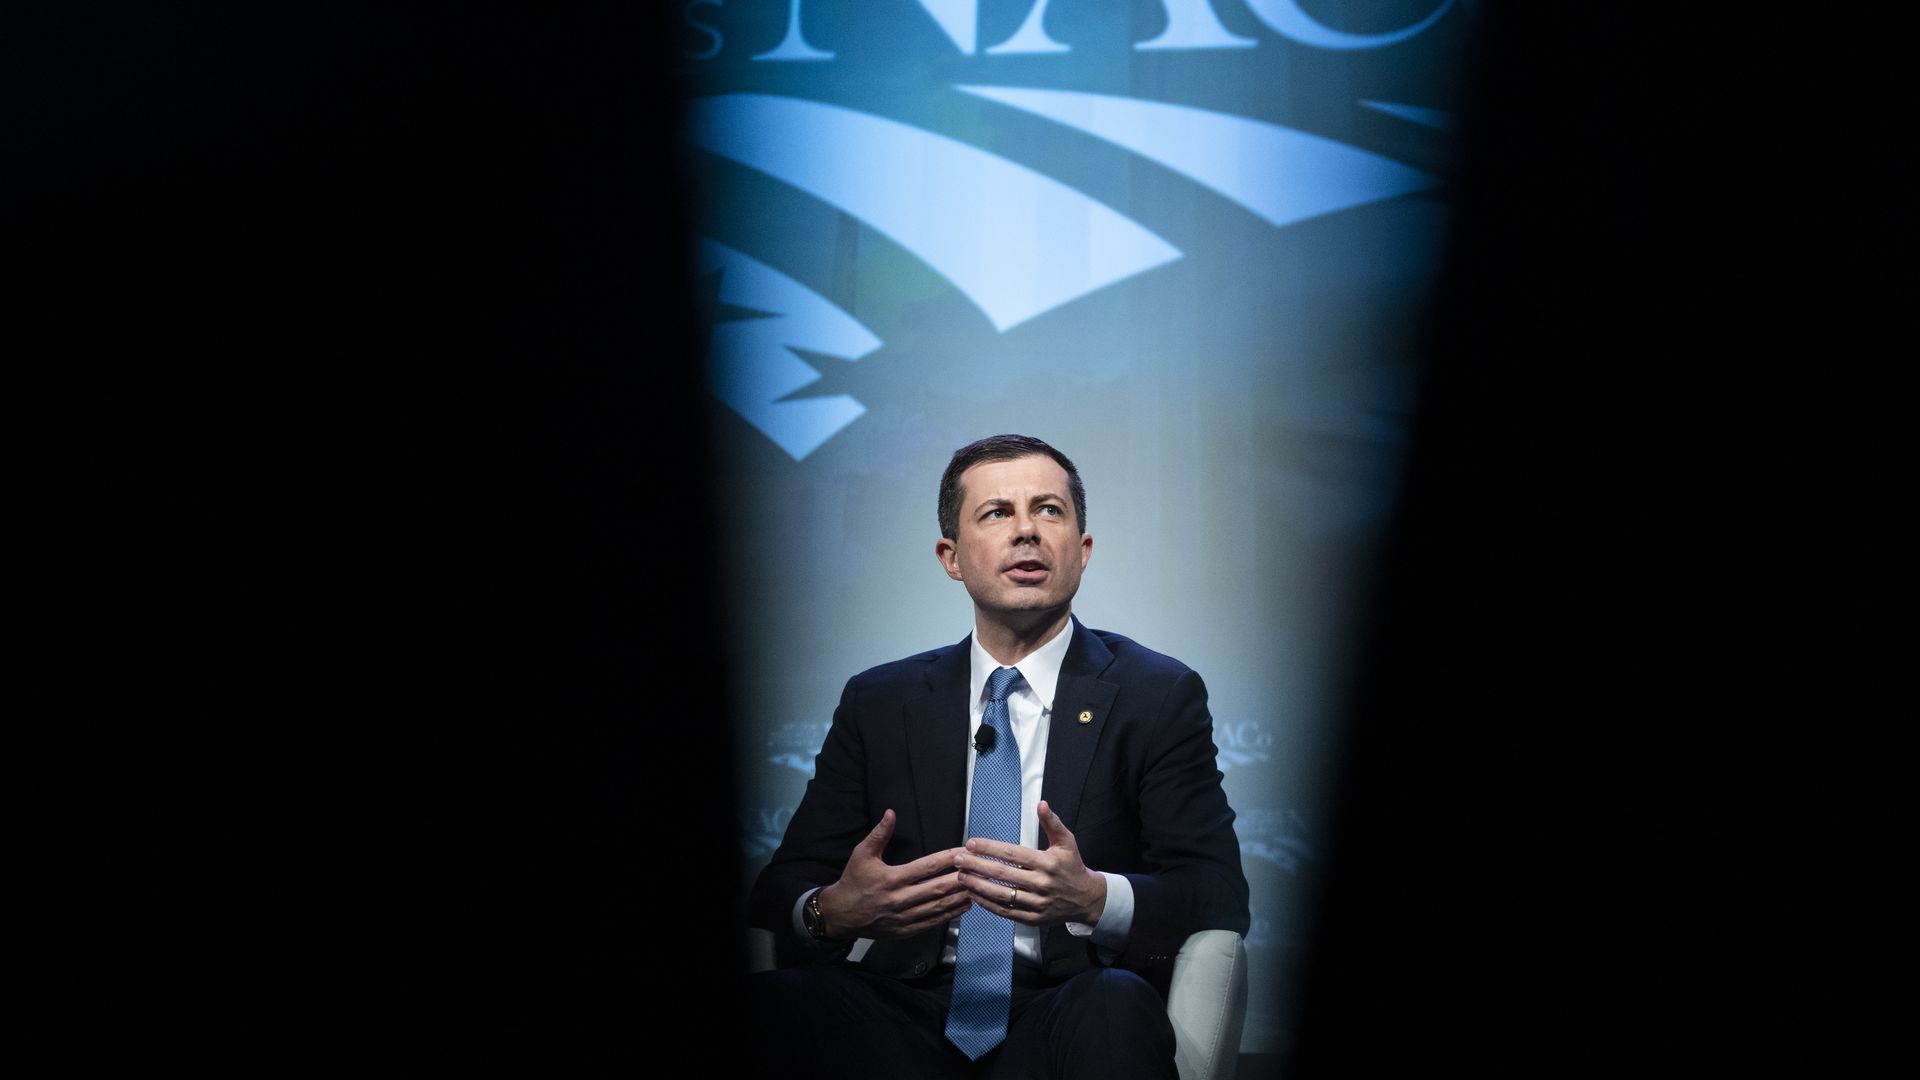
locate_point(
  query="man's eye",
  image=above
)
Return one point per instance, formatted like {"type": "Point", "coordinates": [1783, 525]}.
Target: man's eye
{"type": "Point", "coordinates": [1050, 509]}
{"type": "Point", "coordinates": [994, 513]}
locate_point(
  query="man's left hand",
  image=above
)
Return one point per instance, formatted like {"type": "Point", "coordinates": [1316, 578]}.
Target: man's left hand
{"type": "Point", "coordinates": [1041, 887]}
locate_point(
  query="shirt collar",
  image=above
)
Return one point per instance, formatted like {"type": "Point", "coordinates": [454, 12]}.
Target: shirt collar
{"type": "Point", "coordinates": [1040, 670]}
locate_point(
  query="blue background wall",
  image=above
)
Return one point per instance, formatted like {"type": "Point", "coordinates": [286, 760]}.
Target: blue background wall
{"type": "Point", "coordinates": [1185, 243]}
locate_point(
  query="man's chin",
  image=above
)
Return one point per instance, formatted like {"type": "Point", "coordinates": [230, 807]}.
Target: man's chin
{"type": "Point", "coordinates": [1029, 601]}
{"type": "Point", "coordinates": [1029, 610]}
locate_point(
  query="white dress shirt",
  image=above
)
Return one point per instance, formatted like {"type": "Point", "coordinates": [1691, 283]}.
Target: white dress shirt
{"type": "Point", "coordinates": [1030, 708]}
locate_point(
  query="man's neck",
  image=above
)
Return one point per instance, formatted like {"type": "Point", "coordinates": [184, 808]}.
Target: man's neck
{"type": "Point", "coordinates": [1010, 644]}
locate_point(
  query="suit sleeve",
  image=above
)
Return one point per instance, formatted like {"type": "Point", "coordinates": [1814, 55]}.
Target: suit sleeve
{"type": "Point", "coordinates": [1192, 878]}
{"type": "Point", "coordinates": [832, 817]}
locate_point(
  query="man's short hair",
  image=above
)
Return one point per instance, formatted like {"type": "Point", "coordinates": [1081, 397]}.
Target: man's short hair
{"type": "Point", "coordinates": [1002, 448]}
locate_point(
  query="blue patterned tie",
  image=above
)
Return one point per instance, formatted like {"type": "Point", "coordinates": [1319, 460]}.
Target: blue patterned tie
{"type": "Point", "coordinates": [983, 956]}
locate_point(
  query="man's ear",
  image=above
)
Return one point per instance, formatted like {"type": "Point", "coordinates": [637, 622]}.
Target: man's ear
{"type": "Point", "coordinates": [1086, 549]}
{"type": "Point", "coordinates": [948, 554]}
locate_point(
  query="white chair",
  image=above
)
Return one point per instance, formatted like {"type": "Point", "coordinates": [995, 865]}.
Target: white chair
{"type": "Point", "coordinates": [1207, 1000]}
{"type": "Point", "coordinates": [1207, 1003]}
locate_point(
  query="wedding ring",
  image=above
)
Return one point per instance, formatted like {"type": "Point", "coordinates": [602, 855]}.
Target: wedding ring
{"type": "Point", "coordinates": [1013, 894]}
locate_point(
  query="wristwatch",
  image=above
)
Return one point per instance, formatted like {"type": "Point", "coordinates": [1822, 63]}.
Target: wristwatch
{"type": "Point", "coordinates": [810, 916]}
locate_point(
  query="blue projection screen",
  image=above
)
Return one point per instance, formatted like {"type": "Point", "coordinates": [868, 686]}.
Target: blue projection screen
{"type": "Point", "coordinates": [1185, 241]}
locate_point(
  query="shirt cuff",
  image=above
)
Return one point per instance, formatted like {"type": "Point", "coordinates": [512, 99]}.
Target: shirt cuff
{"type": "Point", "coordinates": [799, 919]}
{"type": "Point", "coordinates": [1110, 933]}
{"type": "Point", "coordinates": [860, 945]}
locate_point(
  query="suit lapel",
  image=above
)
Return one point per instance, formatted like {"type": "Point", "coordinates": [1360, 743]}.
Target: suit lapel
{"type": "Point", "coordinates": [937, 747]}
{"type": "Point", "coordinates": [1070, 743]}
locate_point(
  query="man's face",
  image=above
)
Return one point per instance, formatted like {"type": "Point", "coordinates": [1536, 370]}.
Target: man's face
{"type": "Point", "coordinates": [1019, 550]}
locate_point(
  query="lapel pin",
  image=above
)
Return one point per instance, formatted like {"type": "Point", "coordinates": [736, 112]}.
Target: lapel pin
{"type": "Point", "coordinates": [1086, 716]}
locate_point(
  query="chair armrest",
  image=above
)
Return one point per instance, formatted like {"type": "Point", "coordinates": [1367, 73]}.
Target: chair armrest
{"type": "Point", "coordinates": [1207, 1003]}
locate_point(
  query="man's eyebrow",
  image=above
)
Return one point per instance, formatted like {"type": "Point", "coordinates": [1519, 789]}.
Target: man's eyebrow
{"type": "Point", "coordinates": [1002, 500]}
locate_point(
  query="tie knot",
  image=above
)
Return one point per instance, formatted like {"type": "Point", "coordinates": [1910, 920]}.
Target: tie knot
{"type": "Point", "coordinates": [1000, 682]}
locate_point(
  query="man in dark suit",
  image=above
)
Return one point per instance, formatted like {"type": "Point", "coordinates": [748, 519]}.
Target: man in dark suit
{"type": "Point", "coordinates": [900, 879]}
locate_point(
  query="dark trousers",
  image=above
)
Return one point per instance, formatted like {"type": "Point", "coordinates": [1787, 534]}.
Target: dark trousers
{"type": "Point", "coordinates": [842, 1021]}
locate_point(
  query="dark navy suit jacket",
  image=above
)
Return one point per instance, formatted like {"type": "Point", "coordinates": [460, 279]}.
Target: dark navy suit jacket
{"type": "Point", "coordinates": [1136, 784]}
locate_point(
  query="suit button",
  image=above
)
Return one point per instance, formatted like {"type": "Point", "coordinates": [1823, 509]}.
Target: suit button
{"type": "Point", "coordinates": [920, 968]}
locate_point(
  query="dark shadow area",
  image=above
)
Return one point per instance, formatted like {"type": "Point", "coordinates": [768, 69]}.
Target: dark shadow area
{"type": "Point", "coordinates": [369, 411]}
{"type": "Point", "coordinates": [1610, 788]}
{"type": "Point", "coordinates": [1503, 888]}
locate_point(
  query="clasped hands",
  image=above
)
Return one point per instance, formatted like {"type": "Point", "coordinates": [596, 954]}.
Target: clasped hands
{"type": "Point", "coordinates": [1036, 888]}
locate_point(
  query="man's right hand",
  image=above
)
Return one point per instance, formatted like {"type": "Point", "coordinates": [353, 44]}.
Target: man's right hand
{"type": "Point", "coordinates": [875, 900]}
